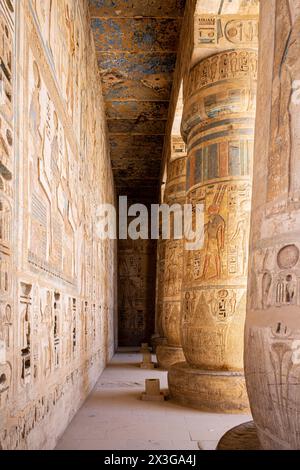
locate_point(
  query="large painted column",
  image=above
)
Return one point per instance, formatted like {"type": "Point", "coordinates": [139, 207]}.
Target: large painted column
{"type": "Point", "coordinates": [272, 341]}
{"type": "Point", "coordinates": [218, 125]}
{"type": "Point", "coordinates": [171, 352]}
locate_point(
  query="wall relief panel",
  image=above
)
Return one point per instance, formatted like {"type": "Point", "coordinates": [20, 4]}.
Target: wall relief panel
{"type": "Point", "coordinates": [56, 276]}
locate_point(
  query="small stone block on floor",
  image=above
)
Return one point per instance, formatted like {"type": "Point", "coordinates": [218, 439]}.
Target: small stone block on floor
{"type": "Point", "coordinates": [152, 392]}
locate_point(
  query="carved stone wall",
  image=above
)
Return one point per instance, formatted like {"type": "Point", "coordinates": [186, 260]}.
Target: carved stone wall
{"type": "Point", "coordinates": [218, 124]}
{"type": "Point", "coordinates": [171, 352]}
{"type": "Point", "coordinates": [56, 276]}
{"type": "Point", "coordinates": [136, 291]}
{"type": "Point", "coordinates": [7, 197]}
{"type": "Point", "coordinates": [160, 270]}
{"type": "Point", "coordinates": [272, 343]}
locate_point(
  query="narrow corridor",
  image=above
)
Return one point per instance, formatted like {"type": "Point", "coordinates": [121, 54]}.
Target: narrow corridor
{"type": "Point", "coordinates": [114, 418]}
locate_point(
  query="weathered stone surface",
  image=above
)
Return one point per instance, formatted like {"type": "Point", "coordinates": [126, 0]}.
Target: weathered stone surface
{"type": "Point", "coordinates": [272, 326]}
{"type": "Point", "coordinates": [242, 437]}
{"type": "Point", "coordinates": [56, 287]}
{"type": "Point", "coordinates": [152, 392]}
{"type": "Point", "coordinates": [168, 355]}
{"type": "Point", "coordinates": [173, 264]}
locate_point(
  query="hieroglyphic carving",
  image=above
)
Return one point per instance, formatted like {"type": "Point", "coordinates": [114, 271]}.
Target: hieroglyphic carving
{"type": "Point", "coordinates": [171, 351]}
{"type": "Point", "coordinates": [284, 143]}
{"type": "Point", "coordinates": [25, 335]}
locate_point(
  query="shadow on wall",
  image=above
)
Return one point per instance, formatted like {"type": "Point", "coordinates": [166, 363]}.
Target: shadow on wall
{"type": "Point", "coordinates": [136, 291]}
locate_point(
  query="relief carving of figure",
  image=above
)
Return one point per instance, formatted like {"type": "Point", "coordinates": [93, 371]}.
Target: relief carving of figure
{"type": "Point", "coordinates": [215, 239]}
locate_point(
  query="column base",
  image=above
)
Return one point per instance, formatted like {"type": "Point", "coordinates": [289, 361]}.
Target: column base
{"type": "Point", "coordinates": [214, 391]}
{"type": "Point", "coordinates": [157, 341]}
{"type": "Point", "coordinates": [242, 437]}
{"type": "Point", "coordinates": [168, 355]}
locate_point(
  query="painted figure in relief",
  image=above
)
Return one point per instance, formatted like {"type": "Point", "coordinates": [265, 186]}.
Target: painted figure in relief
{"type": "Point", "coordinates": [215, 233]}
{"type": "Point", "coordinates": [291, 68]}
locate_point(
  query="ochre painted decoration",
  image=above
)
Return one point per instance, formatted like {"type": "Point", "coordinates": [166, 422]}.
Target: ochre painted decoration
{"type": "Point", "coordinates": [272, 339]}
{"type": "Point", "coordinates": [56, 275]}
{"type": "Point", "coordinates": [218, 125]}
{"type": "Point", "coordinates": [171, 352]}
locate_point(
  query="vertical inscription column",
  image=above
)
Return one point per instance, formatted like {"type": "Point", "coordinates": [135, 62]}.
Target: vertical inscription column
{"type": "Point", "coordinates": [171, 352]}
{"type": "Point", "coordinates": [272, 338]}
{"type": "Point", "coordinates": [218, 125]}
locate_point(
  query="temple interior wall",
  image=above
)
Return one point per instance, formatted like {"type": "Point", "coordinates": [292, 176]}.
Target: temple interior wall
{"type": "Point", "coordinates": [57, 298]}
{"type": "Point", "coordinates": [136, 291]}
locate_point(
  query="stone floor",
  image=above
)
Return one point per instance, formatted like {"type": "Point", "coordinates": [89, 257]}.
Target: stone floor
{"type": "Point", "coordinates": [114, 418]}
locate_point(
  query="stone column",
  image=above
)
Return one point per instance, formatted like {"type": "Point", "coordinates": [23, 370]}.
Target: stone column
{"type": "Point", "coordinates": [272, 337]}
{"type": "Point", "coordinates": [171, 352]}
{"type": "Point", "coordinates": [218, 126]}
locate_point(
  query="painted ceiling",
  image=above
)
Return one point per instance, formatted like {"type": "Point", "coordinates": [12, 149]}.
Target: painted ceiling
{"type": "Point", "coordinates": [136, 43]}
